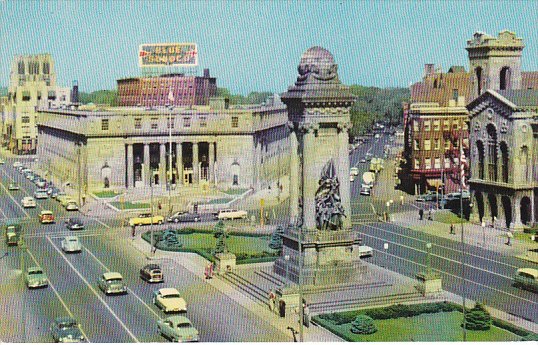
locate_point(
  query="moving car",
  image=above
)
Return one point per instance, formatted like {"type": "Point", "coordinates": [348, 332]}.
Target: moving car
{"type": "Point", "coordinates": [28, 202]}
{"type": "Point", "coordinates": [146, 219]}
{"type": "Point", "coordinates": [34, 278]}
{"type": "Point", "coordinates": [66, 200]}
{"type": "Point", "coordinates": [351, 178]}
{"type": "Point", "coordinates": [66, 330]}
{"type": "Point", "coordinates": [13, 232]}
{"type": "Point", "coordinates": [169, 300]}
{"type": "Point", "coordinates": [430, 196]}
{"type": "Point", "coordinates": [13, 186]}
{"type": "Point", "coordinates": [183, 216]}
{"type": "Point", "coordinates": [74, 224]}
{"type": "Point", "coordinates": [527, 279]}
{"type": "Point", "coordinates": [41, 194]}
{"type": "Point", "coordinates": [112, 283]}
{"type": "Point", "coordinates": [232, 214]}
{"type": "Point", "coordinates": [71, 206]}
{"type": "Point", "coordinates": [152, 273]}
{"type": "Point", "coordinates": [58, 195]}
{"type": "Point", "coordinates": [365, 251]}
{"type": "Point", "coordinates": [46, 217]}
{"type": "Point", "coordinates": [365, 190]}
{"type": "Point", "coordinates": [71, 244]}
{"type": "Point", "coordinates": [354, 171]}
{"type": "Point", "coordinates": [177, 328]}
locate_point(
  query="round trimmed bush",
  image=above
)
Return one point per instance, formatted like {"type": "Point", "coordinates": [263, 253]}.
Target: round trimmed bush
{"type": "Point", "coordinates": [363, 324]}
{"type": "Point", "coordinates": [478, 318]}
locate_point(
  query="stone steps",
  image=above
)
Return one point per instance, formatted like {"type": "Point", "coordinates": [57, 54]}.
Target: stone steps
{"type": "Point", "coordinates": [253, 291]}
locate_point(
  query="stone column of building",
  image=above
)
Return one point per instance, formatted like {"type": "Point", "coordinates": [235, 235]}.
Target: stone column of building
{"type": "Point", "coordinates": [310, 176]}
{"type": "Point", "coordinates": [146, 171]}
{"type": "Point", "coordinates": [163, 176]}
{"type": "Point", "coordinates": [211, 154]}
{"type": "Point", "coordinates": [294, 174]}
{"type": "Point", "coordinates": [516, 207]}
{"type": "Point", "coordinates": [258, 163]}
{"type": "Point", "coordinates": [195, 164]}
{"type": "Point", "coordinates": [179, 164]}
{"type": "Point", "coordinates": [343, 170]}
{"type": "Point", "coordinates": [130, 171]}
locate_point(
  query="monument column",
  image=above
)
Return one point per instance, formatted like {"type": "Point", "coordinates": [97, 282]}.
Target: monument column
{"type": "Point", "coordinates": [130, 171]}
{"type": "Point", "coordinates": [179, 164]}
{"type": "Point", "coordinates": [195, 164]}
{"type": "Point", "coordinates": [162, 165]}
{"type": "Point", "coordinates": [343, 170]}
{"type": "Point", "coordinates": [294, 174]}
{"type": "Point", "coordinates": [309, 175]}
{"type": "Point", "coordinates": [146, 171]}
{"type": "Point", "coordinates": [211, 154]}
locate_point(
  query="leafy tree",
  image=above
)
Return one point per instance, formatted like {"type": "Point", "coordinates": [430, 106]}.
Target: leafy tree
{"type": "Point", "coordinates": [221, 235]}
{"type": "Point", "coordinates": [276, 238]}
{"type": "Point", "coordinates": [478, 318]}
{"type": "Point", "coordinates": [109, 97]}
{"type": "Point", "coordinates": [169, 239]}
{"type": "Point", "coordinates": [363, 324]}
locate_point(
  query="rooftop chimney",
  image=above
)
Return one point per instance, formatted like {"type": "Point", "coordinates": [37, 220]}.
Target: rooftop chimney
{"type": "Point", "coordinates": [206, 72]}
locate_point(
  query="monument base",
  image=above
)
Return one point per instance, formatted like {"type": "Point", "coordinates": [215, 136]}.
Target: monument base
{"type": "Point", "coordinates": [429, 284]}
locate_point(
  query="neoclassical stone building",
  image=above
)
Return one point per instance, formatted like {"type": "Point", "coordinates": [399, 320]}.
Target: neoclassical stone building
{"type": "Point", "coordinates": [503, 133]}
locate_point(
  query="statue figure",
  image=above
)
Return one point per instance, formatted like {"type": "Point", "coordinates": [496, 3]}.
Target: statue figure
{"type": "Point", "coordinates": [329, 209]}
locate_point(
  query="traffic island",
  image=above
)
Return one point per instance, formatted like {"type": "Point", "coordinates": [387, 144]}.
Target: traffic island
{"type": "Point", "coordinates": [429, 284]}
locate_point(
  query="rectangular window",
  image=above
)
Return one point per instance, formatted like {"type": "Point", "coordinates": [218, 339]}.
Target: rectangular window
{"type": "Point", "coordinates": [427, 145]}
{"type": "Point", "coordinates": [203, 121]}
{"type": "Point", "coordinates": [417, 145]}
{"type": "Point", "coordinates": [427, 126]}
{"type": "Point", "coordinates": [186, 121]}
{"type": "Point", "coordinates": [104, 124]}
{"type": "Point", "coordinates": [154, 123]}
{"type": "Point", "coordinates": [235, 121]}
{"type": "Point", "coordinates": [417, 164]}
{"type": "Point", "coordinates": [170, 123]}
{"type": "Point", "coordinates": [427, 163]}
{"type": "Point", "coordinates": [455, 94]}
{"type": "Point", "coordinates": [446, 125]}
{"type": "Point", "coordinates": [437, 163]}
{"type": "Point", "coordinates": [447, 144]}
{"type": "Point", "coordinates": [436, 125]}
{"type": "Point", "coordinates": [25, 119]}
{"type": "Point", "coordinates": [138, 123]}
{"type": "Point", "coordinates": [436, 144]}
{"type": "Point", "coordinates": [416, 126]}
{"type": "Point", "coordinates": [447, 163]}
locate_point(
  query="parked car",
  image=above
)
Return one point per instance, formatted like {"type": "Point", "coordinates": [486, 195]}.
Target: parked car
{"type": "Point", "coordinates": [232, 214]}
{"type": "Point", "coordinates": [13, 232]}
{"type": "Point", "coordinates": [152, 273]}
{"type": "Point", "coordinates": [71, 244]}
{"type": "Point", "coordinates": [146, 219]}
{"type": "Point", "coordinates": [46, 217]}
{"type": "Point", "coordinates": [169, 300]}
{"type": "Point", "coordinates": [112, 283]}
{"type": "Point", "coordinates": [365, 190]}
{"type": "Point", "coordinates": [354, 171]}
{"type": "Point", "coordinates": [66, 330]}
{"type": "Point", "coordinates": [28, 202]}
{"type": "Point", "coordinates": [66, 201]}
{"type": "Point", "coordinates": [183, 216]}
{"type": "Point", "coordinates": [13, 186]}
{"type": "Point", "coordinates": [177, 329]}
{"type": "Point", "coordinates": [527, 279]}
{"type": "Point", "coordinates": [34, 278]}
{"type": "Point", "coordinates": [365, 251]}
{"type": "Point", "coordinates": [41, 194]}
{"type": "Point", "coordinates": [431, 196]}
{"type": "Point", "coordinates": [71, 206]}
{"type": "Point", "coordinates": [74, 224]}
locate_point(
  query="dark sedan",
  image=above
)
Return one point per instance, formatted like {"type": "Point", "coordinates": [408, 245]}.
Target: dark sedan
{"type": "Point", "coordinates": [182, 216]}
{"type": "Point", "coordinates": [66, 330]}
{"type": "Point", "coordinates": [74, 224]}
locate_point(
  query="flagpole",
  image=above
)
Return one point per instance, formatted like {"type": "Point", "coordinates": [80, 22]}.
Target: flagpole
{"type": "Point", "coordinates": [169, 179]}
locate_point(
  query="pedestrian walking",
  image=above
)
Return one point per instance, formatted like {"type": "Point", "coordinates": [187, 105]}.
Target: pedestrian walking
{"type": "Point", "coordinates": [430, 214]}
{"type": "Point", "coordinates": [452, 232]}
{"type": "Point", "coordinates": [421, 213]}
{"type": "Point", "coordinates": [272, 300]}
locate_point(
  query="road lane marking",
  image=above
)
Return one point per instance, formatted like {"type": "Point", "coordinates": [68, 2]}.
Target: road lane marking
{"type": "Point", "coordinates": [467, 280]}
{"type": "Point", "coordinates": [130, 291]}
{"type": "Point", "coordinates": [15, 201]}
{"type": "Point", "coordinates": [94, 292]}
{"type": "Point", "coordinates": [58, 296]}
{"type": "Point", "coordinates": [441, 246]}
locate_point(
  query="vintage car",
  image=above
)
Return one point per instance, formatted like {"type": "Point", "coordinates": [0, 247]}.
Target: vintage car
{"type": "Point", "coordinates": [71, 244]}
{"type": "Point", "coordinates": [169, 300]}
{"type": "Point", "coordinates": [13, 186]}
{"type": "Point", "coordinates": [66, 200]}
{"type": "Point", "coordinates": [66, 330]}
{"type": "Point", "coordinates": [74, 224]}
{"type": "Point", "coordinates": [527, 279]}
{"type": "Point", "coordinates": [13, 232]}
{"type": "Point", "coordinates": [231, 214]}
{"type": "Point", "coordinates": [41, 194]}
{"type": "Point", "coordinates": [183, 216]}
{"type": "Point", "coordinates": [177, 329]}
{"type": "Point", "coordinates": [365, 251]}
{"type": "Point", "coordinates": [71, 206]}
{"type": "Point", "coordinates": [34, 278]}
{"type": "Point", "coordinates": [46, 217]}
{"type": "Point", "coordinates": [112, 283]}
{"type": "Point", "coordinates": [28, 202]}
{"type": "Point", "coordinates": [152, 273]}
{"type": "Point", "coordinates": [146, 219]}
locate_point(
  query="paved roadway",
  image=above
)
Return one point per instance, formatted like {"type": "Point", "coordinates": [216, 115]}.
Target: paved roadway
{"type": "Point", "coordinates": [73, 289]}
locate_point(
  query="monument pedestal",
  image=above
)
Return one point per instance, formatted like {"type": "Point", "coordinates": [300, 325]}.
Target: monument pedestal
{"type": "Point", "coordinates": [224, 262]}
{"type": "Point", "coordinates": [429, 284]}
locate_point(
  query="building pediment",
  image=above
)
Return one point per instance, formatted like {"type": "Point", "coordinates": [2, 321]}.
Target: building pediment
{"type": "Point", "coordinates": [494, 101]}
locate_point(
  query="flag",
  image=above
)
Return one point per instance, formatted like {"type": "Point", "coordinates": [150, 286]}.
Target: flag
{"type": "Point", "coordinates": [170, 96]}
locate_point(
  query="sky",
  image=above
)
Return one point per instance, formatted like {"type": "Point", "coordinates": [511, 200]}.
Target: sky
{"type": "Point", "coordinates": [256, 45]}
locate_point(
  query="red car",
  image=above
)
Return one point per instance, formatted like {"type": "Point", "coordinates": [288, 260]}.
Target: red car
{"type": "Point", "coordinates": [46, 217]}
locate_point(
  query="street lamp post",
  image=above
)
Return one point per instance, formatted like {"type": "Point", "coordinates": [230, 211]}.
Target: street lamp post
{"type": "Point", "coordinates": [428, 259]}
{"type": "Point", "coordinates": [287, 258]}
{"type": "Point", "coordinates": [386, 247]}
{"type": "Point", "coordinates": [152, 250]}
{"type": "Point", "coordinates": [22, 245]}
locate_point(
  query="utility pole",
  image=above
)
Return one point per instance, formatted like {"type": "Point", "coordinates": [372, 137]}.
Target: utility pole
{"type": "Point", "coordinates": [79, 144]}
{"type": "Point", "coordinates": [22, 245]}
{"type": "Point", "coordinates": [151, 222]}
{"type": "Point", "coordinates": [464, 290]}
{"type": "Point", "coordinates": [170, 157]}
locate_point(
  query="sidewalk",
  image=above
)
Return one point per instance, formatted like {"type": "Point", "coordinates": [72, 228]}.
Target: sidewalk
{"type": "Point", "coordinates": [475, 235]}
{"type": "Point", "coordinates": [196, 264]}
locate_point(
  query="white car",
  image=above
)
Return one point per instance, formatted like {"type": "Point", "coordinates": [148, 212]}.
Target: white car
{"type": "Point", "coordinates": [169, 300]}
{"type": "Point", "coordinates": [71, 206]}
{"type": "Point", "coordinates": [28, 202]}
{"type": "Point", "coordinates": [232, 214]}
{"type": "Point", "coordinates": [365, 251]}
{"type": "Point", "coordinates": [354, 171]}
{"type": "Point", "coordinates": [41, 194]}
{"type": "Point", "coordinates": [71, 244]}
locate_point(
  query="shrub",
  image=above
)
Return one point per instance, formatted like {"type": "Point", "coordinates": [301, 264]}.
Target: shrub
{"type": "Point", "coordinates": [478, 318]}
{"type": "Point", "coordinates": [530, 337]}
{"type": "Point", "coordinates": [363, 324]}
{"type": "Point", "coordinates": [510, 328]}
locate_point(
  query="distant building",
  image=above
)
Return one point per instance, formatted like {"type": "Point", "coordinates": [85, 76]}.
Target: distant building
{"type": "Point", "coordinates": [32, 85]}
{"type": "Point", "coordinates": [155, 91]}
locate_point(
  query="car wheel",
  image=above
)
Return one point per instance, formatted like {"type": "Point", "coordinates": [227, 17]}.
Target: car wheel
{"type": "Point", "coordinates": [176, 220]}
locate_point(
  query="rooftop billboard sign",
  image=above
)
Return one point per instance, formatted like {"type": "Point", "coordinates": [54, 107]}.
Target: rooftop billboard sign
{"type": "Point", "coordinates": [168, 54]}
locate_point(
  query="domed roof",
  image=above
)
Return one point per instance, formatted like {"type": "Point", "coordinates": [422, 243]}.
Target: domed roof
{"type": "Point", "coordinates": [317, 55]}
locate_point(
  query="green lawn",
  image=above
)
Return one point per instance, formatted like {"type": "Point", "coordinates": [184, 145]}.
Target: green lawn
{"type": "Point", "coordinates": [235, 191]}
{"type": "Point", "coordinates": [105, 194]}
{"type": "Point", "coordinates": [446, 217]}
{"type": "Point", "coordinates": [219, 201]}
{"type": "Point", "coordinates": [127, 205]}
{"type": "Point", "coordinates": [426, 328]}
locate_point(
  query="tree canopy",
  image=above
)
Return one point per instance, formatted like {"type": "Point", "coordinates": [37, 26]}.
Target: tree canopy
{"type": "Point", "coordinates": [109, 97]}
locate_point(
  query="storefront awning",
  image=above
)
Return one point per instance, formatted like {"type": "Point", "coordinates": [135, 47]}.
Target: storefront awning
{"type": "Point", "coordinates": [434, 182]}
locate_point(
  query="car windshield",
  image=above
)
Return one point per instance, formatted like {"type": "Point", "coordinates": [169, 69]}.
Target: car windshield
{"type": "Point", "coordinates": [156, 271]}
{"type": "Point", "coordinates": [183, 325]}
{"type": "Point", "coordinates": [171, 296]}
{"type": "Point", "coordinates": [73, 240]}
{"type": "Point", "coordinates": [75, 221]}
{"type": "Point", "coordinates": [114, 280]}
{"type": "Point", "coordinates": [35, 272]}
{"type": "Point", "coordinates": [67, 325]}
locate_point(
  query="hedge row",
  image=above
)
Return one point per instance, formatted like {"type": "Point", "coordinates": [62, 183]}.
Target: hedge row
{"type": "Point", "coordinates": [328, 325]}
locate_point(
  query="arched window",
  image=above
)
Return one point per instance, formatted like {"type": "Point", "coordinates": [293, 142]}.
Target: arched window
{"type": "Point", "coordinates": [478, 72]}
{"type": "Point", "coordinates": [46, 68]}
{"type": "Point", "coordinates": [504, 161]}
{"type": "Point", "coordinates": [480, 149]}
{"type": "Point", "coordinates": [492, 152]}
{"type": "Point", "coordinates": [524, 158]}
{"type": "Point", "coordinates": [505, 78]}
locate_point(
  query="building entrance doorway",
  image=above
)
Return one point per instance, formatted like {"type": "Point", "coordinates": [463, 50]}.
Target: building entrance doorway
{"type": "Point", "coordinates": [187, 176]}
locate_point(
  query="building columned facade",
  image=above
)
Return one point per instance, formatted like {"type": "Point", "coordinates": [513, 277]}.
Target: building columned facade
{"type": "Point", "coordinates": [154, 91]}
{"type": "Point", "coordinates": [32, 85]}
{"type": "Point", "coordinates": [131, 147]}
